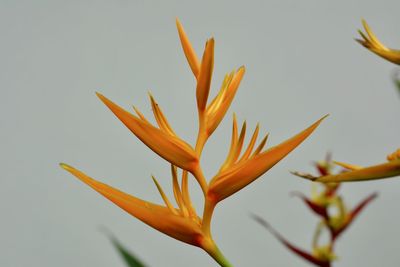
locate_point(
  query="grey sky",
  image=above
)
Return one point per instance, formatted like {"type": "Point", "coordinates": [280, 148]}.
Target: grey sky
{"type": "Point", "coordinates": [301, 62]}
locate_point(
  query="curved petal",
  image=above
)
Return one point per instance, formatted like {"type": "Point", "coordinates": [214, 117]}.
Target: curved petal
{"type": "Point", "coordinates": [205, 75]}
{"type": "Point", "coordinates": [219, 107]}
{"type": "Point", "coordinates": [190, 54]}
{"type": "Point", "coordinates": [372, 43]}
{"type": "Point", "coordinates": [381, 171]}
{"type": "Point", "coordinates": [156, 216]}
{"type": "Point", "coordinates": [240, 175]}
{"type": "Point", "coordinates": [169, 147]}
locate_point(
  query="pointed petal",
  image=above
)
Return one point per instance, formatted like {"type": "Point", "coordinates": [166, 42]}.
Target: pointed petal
{"type": "Point", "coordinates": [318, 209]}
{"type": "Point", "coordinates": [298, 251]}
{"type": "Point", "coordinates": [160, 118]}
{"type": "Point", "coordinates": [177, 191]}
{"type": "Point", "coordinates": [205, 75]}
{"type": "Point", "coordinates": [261, 145]}
{"type": "Point", "coordinates": [214, 118]}
{"type": "Point", "coordinates": [240, 141]}
{"type": "Point", "coordinates": [304, 175]}
{"type": "Point", "coordinates": [190, 54]}
{"type": "Point", "coordinates": [216, 102]}
{"type": "Point", "coordinates": [250, 147]}
{"type": "Point", "coordinates": [229, 157]}
{"type": "Point", "coordinates": [354, 213]}
{"type": "Point", "coordinates": [374, 45]}
{"type": "Point", "coordinates": [141, 116]}
{"type": "Point", "coordinates": [156, 216]}
{"type": "Point", "coordinates": [164, 196]}
{"type": "Point", "coordinates": [240, 175]}
{"type": "Point", "coordinates": [348, 166]}
{"type": "Point", "coordinates": [372, 38]}
{"type": "Point", "coordinates": [186, 195]}
{"type": "Point", "coordinates": [381, 171]}
{"type": "Point", "coordinates": [171, 148]}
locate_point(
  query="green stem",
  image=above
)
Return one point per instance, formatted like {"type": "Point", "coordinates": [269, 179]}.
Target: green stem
{"type": "Point", "coordinates": [212, 250]}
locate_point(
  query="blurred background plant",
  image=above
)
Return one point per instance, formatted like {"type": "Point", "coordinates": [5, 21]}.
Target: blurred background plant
{"type": "Point", "coordinates": [335, 217]}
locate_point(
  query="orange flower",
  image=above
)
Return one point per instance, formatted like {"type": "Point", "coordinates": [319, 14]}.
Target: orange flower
{"type": "Point", "coordinates": [182, 222]}
{"type": "Point", "coordinates": [372, 43]}
{"type": "Point", "coordinates": [174, 222]}
{"type": "Point", "coordinates": [237, 173]}
{"type": "Point", "coordinates": [353, 173]}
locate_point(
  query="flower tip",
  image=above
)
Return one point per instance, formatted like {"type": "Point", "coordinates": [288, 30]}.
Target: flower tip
{"type": "Point", "coordinates": [178, 22]}
{"type": "Point", "coordinates": [65, 166]}
{"type": "Point", "coordinates": [102, 97]}
{"type": "Point", "coordinates": [150, 96]}
{"type": "Point", "coordinates": [319, 121]}
{"type": "Point", "coordinates": [364, 23]}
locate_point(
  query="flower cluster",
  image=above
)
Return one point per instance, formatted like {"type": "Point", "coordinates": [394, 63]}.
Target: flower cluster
{"type": "Point", "coordinates": [372, 43]}
{"type": "Point", "coordinates": [322, 203]}
{"type": "Point", "coordinates": [182, 222]}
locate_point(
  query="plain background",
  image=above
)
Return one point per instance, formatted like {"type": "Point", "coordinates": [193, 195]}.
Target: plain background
{"type": "Point", "coordinates": [302, 63]}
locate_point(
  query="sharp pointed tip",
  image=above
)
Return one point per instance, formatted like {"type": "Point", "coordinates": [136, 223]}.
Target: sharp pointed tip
{"type": "Point", "coordinates": [102, 97]}
{"type": "Point", "coordinates": [363, 21]}
{"type": "Point", "coordinates": [150, 95]}
{"type": "Point", "coordinates": [65, 166]}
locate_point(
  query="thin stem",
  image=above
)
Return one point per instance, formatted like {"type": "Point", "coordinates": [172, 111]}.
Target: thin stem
{"type": "Point", "coordinates": [198, 174]}
{"type": "Point", "coordinates": [202, 135]}
{"type": "Point", "coordinates": [211, 248]}
{"type": "Point", "coordinates": [207, 215]}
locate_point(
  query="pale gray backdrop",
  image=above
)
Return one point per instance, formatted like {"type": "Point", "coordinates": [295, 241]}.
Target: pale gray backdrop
{"type": "Point", "coordinates": [302, 63]}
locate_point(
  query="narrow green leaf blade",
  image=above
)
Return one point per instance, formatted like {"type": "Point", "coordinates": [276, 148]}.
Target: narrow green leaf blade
{"type": "Point", "coordinates": [130, 259]}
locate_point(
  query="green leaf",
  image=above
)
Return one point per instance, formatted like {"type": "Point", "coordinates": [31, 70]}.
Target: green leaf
{"type": "Point", "coordinates": [130, 259]}
{"type": "Point", "coordinates": [396, 78]}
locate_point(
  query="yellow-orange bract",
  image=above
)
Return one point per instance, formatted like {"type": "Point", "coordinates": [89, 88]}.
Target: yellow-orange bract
{"type": "Point", "coordinates": [372, 43]}
{"type": "Point", "coordinates": [182, 222]}
{"type": "Point", "coordinates": [353, 173]}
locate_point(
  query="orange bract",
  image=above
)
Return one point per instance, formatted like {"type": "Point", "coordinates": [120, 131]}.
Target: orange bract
{"type": "Point", "coordinates": [373, 44]}
{"type": "Point", "coordinates": [183, 223]}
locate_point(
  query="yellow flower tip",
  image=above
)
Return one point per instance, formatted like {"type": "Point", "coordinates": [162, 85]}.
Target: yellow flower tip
{"type": "Point", "coordinates": [65, 166]}
{"type": "Point", "coordinates": [188, 50]}
{"type": "Point", "coordinates": [372, 43]}
{"type": "Point", "coordinates": [99, 95]}
{"type": "Point", "coordinates": [394, 156]}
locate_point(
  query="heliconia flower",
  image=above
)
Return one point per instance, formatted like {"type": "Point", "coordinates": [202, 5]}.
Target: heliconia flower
{"type": "Point", "coordinates": [169, 220]}
{"type": "Point", "coordinates": [339, 226]}
{"type": "Point", "coordinates": [341, 221]}
{"type": "Point", "coordinates": [216, 110]}
{"type": "Point", "coordinates": [319, 257]}
{"type": "Point", "coordinates": [161, 141]}
{"type": "Point", "coordinates": [372, 43]}
{"type": "Point", "coordinates": [237, 173]}
{"type": "Point", "coordinates": [358, 173]}
{"type": "Point", "coordinates": [181, 223]}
